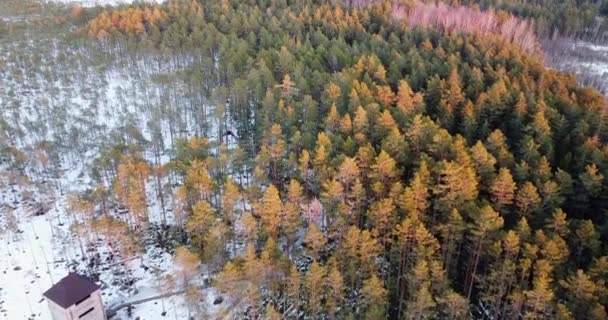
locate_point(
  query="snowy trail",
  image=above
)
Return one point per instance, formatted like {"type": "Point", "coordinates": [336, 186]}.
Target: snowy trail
{"type": "Point", "coordinates": [30, 265]}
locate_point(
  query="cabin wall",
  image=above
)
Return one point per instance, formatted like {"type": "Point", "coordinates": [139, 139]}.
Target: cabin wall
{"type": "Point", "coordinates": [77, 312]}
{"type": "Point", "coordinates": [57, 312]}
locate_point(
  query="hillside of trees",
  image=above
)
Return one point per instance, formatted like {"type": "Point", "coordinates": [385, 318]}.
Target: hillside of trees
{"type": "Point", "coordinates": [461, 19]}
{"type": "Point", "coordinates": [342, 160]}
{"type": "Point", "coordinates": [563, 16]}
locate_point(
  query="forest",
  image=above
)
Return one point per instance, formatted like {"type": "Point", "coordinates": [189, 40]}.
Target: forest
{"type": "Point", "coordinates": [325, 159]}
{"type": "Point", "coordinates": [563, 16]}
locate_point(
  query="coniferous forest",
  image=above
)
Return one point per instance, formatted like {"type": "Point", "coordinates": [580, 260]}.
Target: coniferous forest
{"type": "Point", "coordinates": [312, 159]}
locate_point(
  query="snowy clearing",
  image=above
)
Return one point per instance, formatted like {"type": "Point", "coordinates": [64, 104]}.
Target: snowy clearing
{"type": "Point", "coordinates": [43, 251]}
{"type": "Point", "coordinates": [43, 248]}
{"type": "Point", "coordinates": [589, 61]}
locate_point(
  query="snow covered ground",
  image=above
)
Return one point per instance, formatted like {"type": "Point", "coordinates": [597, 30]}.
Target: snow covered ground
{"type": "Point", "coordinates": [92, 3]}
{"type": "Point", "coordinates": [589, 61]}
{"type": "Point", "coordinates": [43, 251]}
{"type": "Point", "coordinates": [65, 95]}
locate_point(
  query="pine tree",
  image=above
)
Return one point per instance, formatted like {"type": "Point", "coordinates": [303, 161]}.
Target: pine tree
{"type": "Point", "coordinates": [455, 94]}
{"type": "Point", "coordinates": [199, 224]}
{"type": "Point", "coordinates": [383, 172]}
{"type": "Point", "coordinates": [396, 146]}
{"type": "Point", "coordinates": [315, 239]}
{"type": "Point", "coordinates": [421, 303]}
{"type": "Point", "coordinates": [348, 172]}
{"type": "Point", "coordinates": [586, 239]}
{"type": "Point", "coordinates": [452, 232]}
{"type": "Point", "coordinates": [374, 298]}
{"type": "Point", "coordinates": [565, 183]}
{"type": "Point", "coordinates": [486, 223]}
{"type": "Point", "coordinates": [368, 251]}
{"type": "Point", "coordinates": [496, 143]}
{"type": "Point", "coordinates": [304, 164]}
{"type": "Point", "coordinates": [415, 199]}
{"type": "Point", "coordinates": [543, 171]}
{"type": "Point", "coordinates": [230, 281]}
{"type": "Point", "coordinates": [563, 313]}
{"type": "Point", "coordinates": [358, 251]}
{"type": "Point", "coordinates": [188, 264]}
{"type": "Point", "coordinates": [457, 185]}
{"type": "Point", "coordinates": [483, 161]}
{"type": "Point", "coordinates": [231, 196]}
{"type": "Point", "coordinates": [539, 298]}
{"type": "Point", "coordinates": [270, 211]}
{"type": "Point", "coordinates": [271, 274]}
{"type": "Point", "coordinates": [591, 180]}
{"type": "Point", "coordinates": [332, 122]}
{"type": "Point", "coordinates": [315, 278]}
{"type": "Point", "coordinates": [382, 217]}
{"type": "Point", "coordinates": [558, 223]}
{"type": "Point", "coordinates": [385, 95]}
{"type": "Point", "coordinates": [500, 278]}
{"type": "Point", "coordinates": [503, 189]}
{"type": "Point", "coordinates": [469, 121]}
{"type": "Point", "coordinates": [346, 125]}
{"type": "Point", "coordinates": [335, 289]}
{"type": "Point", "coordinates": [251, 274]}
{"type": "Point", "coordinates": [356, 197]}
{"type": "Point", "coordinates": [453, 306]}
{"type": "Point", "coordinates": [333, 92]}
{"type": "Point", "coordinates": [291, 223]}
{"type": "Point", "coordinates": [332, 193]}
{"type": "Point", "coordinates": [130, 186]}
{"type": "Point", "coordinates": [294, 284]}
{"type": "Point", "coordinates": [581, 293]}
{"type": "Point", "coordinates": [542, 130]}
{"type": "Point", "coordinates": [197, 178]}
{"type": "Point", "coordinates": [407, 102]}
{"type": "Point", "coordinates": [527, 200]}
{"type": "Point", "coordinates": [360, 121]}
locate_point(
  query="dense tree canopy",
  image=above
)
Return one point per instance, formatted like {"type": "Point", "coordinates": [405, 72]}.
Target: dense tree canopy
{"type": "Point", "coordinates": [370, 168]}
{"type": "Point", "coordinates": [455, 173]}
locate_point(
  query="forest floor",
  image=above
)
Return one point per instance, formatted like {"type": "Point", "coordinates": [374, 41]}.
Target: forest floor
{"type": "Point", "coordinates": [587, 60]}
{"type": "Point", "coordinates": [43, 251]}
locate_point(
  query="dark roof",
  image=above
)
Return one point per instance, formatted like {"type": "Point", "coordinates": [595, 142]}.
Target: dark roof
{"type": "Point", "coordinates": [71, 289]}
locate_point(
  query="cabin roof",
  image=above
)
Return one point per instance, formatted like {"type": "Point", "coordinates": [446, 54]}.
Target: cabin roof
{"type": "Point", "coordinates": [71, 289]}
